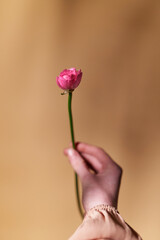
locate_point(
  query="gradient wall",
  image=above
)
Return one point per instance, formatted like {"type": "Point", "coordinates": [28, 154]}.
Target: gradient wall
{"type": "Point", "coordinates": [117, 46]}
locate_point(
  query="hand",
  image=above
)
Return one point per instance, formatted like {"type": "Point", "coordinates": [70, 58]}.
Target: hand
{"type": "Point", "coordinates": [99, 174]}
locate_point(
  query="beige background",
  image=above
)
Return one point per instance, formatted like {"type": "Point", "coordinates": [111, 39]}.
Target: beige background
{"type": "Point", "coordinates": [117, 46]}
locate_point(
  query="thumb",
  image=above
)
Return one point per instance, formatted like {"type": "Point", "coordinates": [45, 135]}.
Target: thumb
{"type": "Point", "coordinates": [77, 162]}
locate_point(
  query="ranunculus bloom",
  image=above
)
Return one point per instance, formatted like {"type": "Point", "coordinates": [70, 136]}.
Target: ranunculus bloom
{"type": "Point", "coordinates": [69, 79]}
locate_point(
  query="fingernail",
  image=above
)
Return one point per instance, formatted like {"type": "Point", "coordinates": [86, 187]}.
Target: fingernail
{"type": "Point", "coordinates": [70, 152]}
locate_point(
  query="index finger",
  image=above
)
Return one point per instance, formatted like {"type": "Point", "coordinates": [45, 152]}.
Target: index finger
{"type": "Point", "coordinates": [92, 150]}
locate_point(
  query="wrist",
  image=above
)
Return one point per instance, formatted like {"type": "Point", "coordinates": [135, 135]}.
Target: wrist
{"type": "Point", "coordinates": [100, 202]}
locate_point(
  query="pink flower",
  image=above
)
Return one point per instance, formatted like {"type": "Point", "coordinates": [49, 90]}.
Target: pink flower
{"type": "Point", "coordinates": [69, 79]}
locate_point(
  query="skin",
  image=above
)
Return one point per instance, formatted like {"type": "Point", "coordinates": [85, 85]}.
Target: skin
{"type": "Point", "coordinates": [100, 176]}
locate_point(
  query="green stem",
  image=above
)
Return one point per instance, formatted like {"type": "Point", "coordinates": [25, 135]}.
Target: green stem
{"type": "Point", "coordinates": [73, 144]}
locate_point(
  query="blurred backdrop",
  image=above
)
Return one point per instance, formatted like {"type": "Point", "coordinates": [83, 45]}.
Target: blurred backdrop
{"type": "Point", "coordinates": [117, 106]}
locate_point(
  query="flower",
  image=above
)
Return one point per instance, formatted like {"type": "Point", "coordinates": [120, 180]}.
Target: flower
{"type": "Point", "coordinates": [69, 79]}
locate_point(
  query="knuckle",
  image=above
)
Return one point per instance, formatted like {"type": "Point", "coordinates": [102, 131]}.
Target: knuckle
{"type": "Point", "coordinates": [119, 170]}
{"type": "Point", "coordinates": [101, 152]}
{"type": "Point", "coordinates": [100, 149]}
{"type": "Point", "coordinates": [101, 167]}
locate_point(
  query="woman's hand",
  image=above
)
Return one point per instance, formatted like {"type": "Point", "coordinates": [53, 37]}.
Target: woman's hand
{"type": "Point", "coordinates": [99, 174]}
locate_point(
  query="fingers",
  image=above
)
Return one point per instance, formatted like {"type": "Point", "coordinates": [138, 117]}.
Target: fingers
{"type": "Point", "coordinates": [93, 162]}
{"type": "Point", "coordinates": [96, 156]}
{"type": "Point", "coordinates": [90, 149]}
{"type": "Point", "coordinates": [77, 162]}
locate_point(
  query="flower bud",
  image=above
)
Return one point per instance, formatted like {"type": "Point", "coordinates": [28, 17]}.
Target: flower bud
{"type": "Point", "coordinates": [69, 79]}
